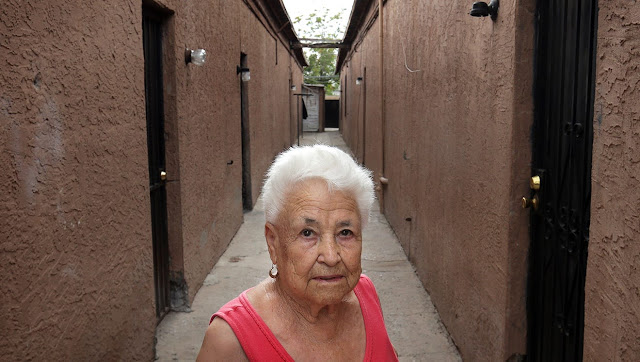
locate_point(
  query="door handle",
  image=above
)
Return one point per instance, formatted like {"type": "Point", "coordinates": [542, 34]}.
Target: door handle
{"type": "Point", "coordinates": [530, 203]}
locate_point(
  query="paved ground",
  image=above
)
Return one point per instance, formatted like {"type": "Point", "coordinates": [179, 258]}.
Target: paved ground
{"type": "Point", "coordinates": [412, 322]}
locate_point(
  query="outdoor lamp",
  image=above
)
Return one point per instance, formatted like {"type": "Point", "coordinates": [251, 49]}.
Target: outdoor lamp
{"type": "Point", "coordinates": [358, 80]}
{"type": "Point", "coordinates": [481, 8]}
{"type": "Point", "coordinates": [293, 87]}
{"type": "Point", "coordinates": [245, 75]}
{"type": "Point", "coordinates": [197, 56]}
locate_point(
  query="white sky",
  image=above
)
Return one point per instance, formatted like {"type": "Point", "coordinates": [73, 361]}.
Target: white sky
{"type": "Point", "coordinates": [305, 7]}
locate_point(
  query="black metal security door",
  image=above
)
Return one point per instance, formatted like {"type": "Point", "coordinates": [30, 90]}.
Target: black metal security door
{"type": "Point", "coordinates": [247, 199]}
{"type": "Point", "coordinates": [152, 43]}
{"type": "Point", "coordinates": [561, 186]}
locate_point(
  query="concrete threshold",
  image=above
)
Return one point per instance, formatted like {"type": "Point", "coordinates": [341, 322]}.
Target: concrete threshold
{"type": "Point", "coordinates": [412, 321]}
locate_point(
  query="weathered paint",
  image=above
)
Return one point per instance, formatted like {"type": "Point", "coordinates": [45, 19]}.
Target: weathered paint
{"type": "Point", "coordinates": [458, 112]}
{"type": "Point", "coordinates": [612, 291]}
{"type": "Point", "coordinates": [76, 257]}
{"type": "Point", "coordinates": [314, 103]}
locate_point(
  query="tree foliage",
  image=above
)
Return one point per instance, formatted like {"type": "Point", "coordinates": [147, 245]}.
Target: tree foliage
{"type": "Point", "coordinates": [321, 24]}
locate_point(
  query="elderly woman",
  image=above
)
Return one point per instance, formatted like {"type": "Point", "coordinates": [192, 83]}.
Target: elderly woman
{"type": "Point", "coordinates": [316, 305]}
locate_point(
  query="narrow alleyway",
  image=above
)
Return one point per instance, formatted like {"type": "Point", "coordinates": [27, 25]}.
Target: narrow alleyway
{"type": "Point", "coordinates": [412, 321]}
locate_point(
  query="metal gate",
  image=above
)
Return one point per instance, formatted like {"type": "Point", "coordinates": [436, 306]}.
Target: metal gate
{"type": "Point", "coordinates": [152, 43]}
{"type": "Point", "coordinates": [561, 182]}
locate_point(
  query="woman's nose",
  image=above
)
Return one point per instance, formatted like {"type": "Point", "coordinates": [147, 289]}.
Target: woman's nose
{"type": "Point", "coordinates": [329, 251]}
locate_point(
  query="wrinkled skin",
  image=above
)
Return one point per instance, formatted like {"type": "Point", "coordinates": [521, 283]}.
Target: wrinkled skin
{"type": "Point", "coordinates": [316, 243]}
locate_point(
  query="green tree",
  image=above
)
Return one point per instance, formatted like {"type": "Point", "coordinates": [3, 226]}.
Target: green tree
{"type": "Point", "coordinates": [322, 26]}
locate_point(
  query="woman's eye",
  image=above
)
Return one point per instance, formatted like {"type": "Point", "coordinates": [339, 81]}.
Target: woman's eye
{"type": "Point", "coordinates": [346, 232]}
{"type": "Point", "coordinates": [307, 233]}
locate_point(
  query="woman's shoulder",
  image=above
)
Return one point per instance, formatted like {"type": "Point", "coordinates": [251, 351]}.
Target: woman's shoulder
{"type": "Point", "coordinates": [220, 343]}
{"type": "Point", "coordinates": [229, 307]}
{"type": "Point", "coordinates": [220, 340]}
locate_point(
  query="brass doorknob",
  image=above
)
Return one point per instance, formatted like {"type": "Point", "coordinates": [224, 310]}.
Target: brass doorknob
{"type": "Point", "coordinates": [530, 203]}
{"type": "Point", "coordinates": [163, 175]}
{"type": "Point", "coordinates": [534, 183]}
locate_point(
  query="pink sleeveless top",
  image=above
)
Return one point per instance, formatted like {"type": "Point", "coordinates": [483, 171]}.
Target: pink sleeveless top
{"type": "Point", "coordinates": [260, 344]}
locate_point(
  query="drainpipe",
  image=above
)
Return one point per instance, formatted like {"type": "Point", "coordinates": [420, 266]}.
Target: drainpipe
{"type": "Point", "coordinates": [383, 179]}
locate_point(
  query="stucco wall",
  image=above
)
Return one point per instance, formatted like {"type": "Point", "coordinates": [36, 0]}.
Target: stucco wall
{"type": "Point", "coordinates": [269, 96]}
{"type": "Point", "coordinates": [612, 292]}
{"type": "Point", "coordinates": [76, 257]}
{"type": "Point", "coordinates": [457, 156]}
{"type": "Point", "coordinates": [361, 125]}
{"type": "Point", "coordinates": [214, 193]}
{"type": "Point", "coordinates": [372, 131]}
{"type": "Point", "coordinates": [202, 135]}
{"type": "Point", "coordinates": [77, 271]}
{"type": "Point", "coordinates": [203, 127]}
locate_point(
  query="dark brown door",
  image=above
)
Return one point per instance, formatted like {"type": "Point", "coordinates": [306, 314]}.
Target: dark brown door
{"type": "Point", "coordinates": [152, 43]}
{"type": "Point", "coordinates": [563, 135]}
{"type": "Point", "coordinates": [247, 199]}
{"type": "Point", "coordinates": [363, 127]}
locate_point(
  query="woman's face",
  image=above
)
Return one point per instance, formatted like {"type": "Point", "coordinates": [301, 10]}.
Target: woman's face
{"type": "Point", "coordinates": [316, 243]}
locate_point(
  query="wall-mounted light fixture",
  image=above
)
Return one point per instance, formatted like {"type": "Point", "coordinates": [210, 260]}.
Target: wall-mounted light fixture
{"type": "Point", "coordinates": [358, 80]}
{"type": "Point", "coordinates": [293, 87]}
{"type": "Point", "coordinates": [245, 75]}
{"type": "Point", "coordinates": [196, 56]}
{"type": "Point", "coordinates": [481, 9]}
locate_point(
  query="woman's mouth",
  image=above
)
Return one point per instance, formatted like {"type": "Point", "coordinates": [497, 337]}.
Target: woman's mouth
{"type": "Point", "coordinates": [328, 278]}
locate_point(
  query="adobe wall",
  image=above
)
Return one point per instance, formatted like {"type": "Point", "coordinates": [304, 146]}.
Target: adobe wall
{"type": "Point", "coordinates": [77, 263]}
{"type": "Point", "coordinates": [204, 187]}
{"type": "Point", "coordinates": [458, 112]}
{"type": "Point", "coordinates": [270, 96]}
{"type": "Point", "coordinates": [77, 268]}
{"type": "Point", "coordinates": [361, 124]}
{"type": "Point", "coordinates": [208, 103]}
{"type": "Point", "coordinates": [208, 141]}
{"type": "Point", "coordinates": [612, 291]}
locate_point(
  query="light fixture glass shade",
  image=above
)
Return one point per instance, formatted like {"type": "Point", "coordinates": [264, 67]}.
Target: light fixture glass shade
{"type": "Point", "coordinates": [198, 57]}
{"type": "Point", "coordinates": [246, 76]}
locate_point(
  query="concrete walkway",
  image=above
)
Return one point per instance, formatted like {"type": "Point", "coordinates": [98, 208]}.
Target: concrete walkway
{"type": "Point", "coordinates": [412, 322]}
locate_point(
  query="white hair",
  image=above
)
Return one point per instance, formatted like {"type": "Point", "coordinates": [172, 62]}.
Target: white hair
{"type": "Point", "coordinates": [331, 164]}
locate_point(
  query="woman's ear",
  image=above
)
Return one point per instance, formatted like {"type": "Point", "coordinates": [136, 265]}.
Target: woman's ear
{"type": "Point", "coordinates": [271, 235]}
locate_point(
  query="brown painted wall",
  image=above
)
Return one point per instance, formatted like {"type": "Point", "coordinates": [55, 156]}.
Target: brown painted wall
{"type": "Point", "coordinates": [361, 125]}
{"type": "Point", "coordinates": [269, 93]}
{"type": "Point", "coordinates": [76, 256]}
{"type": "Point", "coordinates": [77, 272]}
{"type": "Point", "coordinates": [212, 190]}
{"type": "Point", "coordinates": [612, 293]}
{"type": "Point", "coordinates": [457, 156]}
